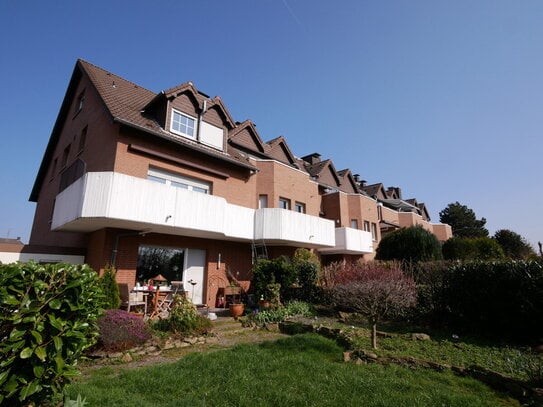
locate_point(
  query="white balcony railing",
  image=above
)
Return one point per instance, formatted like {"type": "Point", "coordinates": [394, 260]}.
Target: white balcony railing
{"type": "Point", "coordinates": [274, 225]}
{"type": "Point", "coordinates": [351, 241]}
{"type": "Point", "coordinates": [108, 199]}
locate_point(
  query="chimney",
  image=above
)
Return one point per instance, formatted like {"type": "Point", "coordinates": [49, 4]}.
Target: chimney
{"type": "Point", "coordinates": [312, 158]}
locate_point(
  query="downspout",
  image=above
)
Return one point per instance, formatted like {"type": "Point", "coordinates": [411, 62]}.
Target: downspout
{"type": "Point", "coordinates": [200, 115]}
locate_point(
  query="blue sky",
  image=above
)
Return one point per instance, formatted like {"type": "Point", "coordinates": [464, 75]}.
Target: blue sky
{"type": "Point", "coordinates": [441, 98]}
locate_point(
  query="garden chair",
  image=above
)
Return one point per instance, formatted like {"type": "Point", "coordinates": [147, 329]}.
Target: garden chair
{"type": "Point", "coordinates": [177, 288]}
{"type": "Point", "coordinates": [162, 302]}
{"type": "Point", "coordinates": [131, 299]}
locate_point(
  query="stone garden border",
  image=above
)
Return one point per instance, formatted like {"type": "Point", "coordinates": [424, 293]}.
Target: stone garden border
{"type": "Point", "coordinates": [517, 388]}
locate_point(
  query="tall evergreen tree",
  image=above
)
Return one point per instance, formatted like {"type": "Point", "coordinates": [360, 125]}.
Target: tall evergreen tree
{"type": "Point", "coordinates": [463, 221]}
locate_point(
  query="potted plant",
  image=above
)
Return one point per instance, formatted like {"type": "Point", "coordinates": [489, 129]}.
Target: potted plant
{"type": "Point", "coordinates": [264, 304]}
{"type": "Point", "coordinates": [236, 309]}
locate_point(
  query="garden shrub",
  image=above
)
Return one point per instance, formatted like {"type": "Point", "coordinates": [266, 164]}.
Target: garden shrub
{"type": "Point", "coordinates": [110, 289]}
{"type": "Point", "coordinates": [374, 290]}
{"type": "Point", "coordinates": [488, 249]}
{"type": "Point", "coordinates": [184, 319]}
{"type": "Point", "coordinates": [276, 271]}
{"type": "Point", "coordinates": [279, 314]}
{"type": "Point", "coordinates": [431, 281]}
{"type": "Point", "coordinates": [306, 267]}
{"type": "Point", "coordinates": [468, 249]}
{"type": "Point", "coordinates": [48, 318]}
{"type": "Point", "coordinates": [120, 330]}
{"type": "Point", "coordinates": [459, 248]}
{"type": "Point", "coordinates": [514, 246]}
{"type": "Point", "coordinates": [409, 244]}
{"type": "Point", "coordinates": [504, 299]}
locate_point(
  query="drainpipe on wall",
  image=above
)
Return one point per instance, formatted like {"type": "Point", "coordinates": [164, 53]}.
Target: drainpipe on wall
{"type": "Point", "coordinates": [200, 115]}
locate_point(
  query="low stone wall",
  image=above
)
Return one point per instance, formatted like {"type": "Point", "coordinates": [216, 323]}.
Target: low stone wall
{"type": "Point", "coordinates": [153, 348]}
{"type": "Point", "coordinates": [517, 388]}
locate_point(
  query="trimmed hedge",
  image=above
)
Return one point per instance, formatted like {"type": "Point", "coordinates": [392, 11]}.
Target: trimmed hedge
{"type": "Point", "coordinates": [503, 299]}
{"type": "Point", "coordinates": [480, 248]}
{"type": "Point", "coordinates": [48, 318]}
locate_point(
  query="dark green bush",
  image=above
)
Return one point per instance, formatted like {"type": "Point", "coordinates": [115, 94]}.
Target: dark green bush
{"type": "Point", "coordinates": [48, 318]}
{"type": "Point", "coordinates": [514, 246]}
{"type": "Point", "coordinates": [480, 248]}
{"type": "Point", "coordinates": [184, 319]}
{"type": "Point", "coordinates": [120, 330]}
{"type": "Point", "coordinates": [431, 280]}
{"type": "Point", "coordinates": [306, 267]}
{"type": "Point", "coordinates": [503, 299]}
{"type": "Point", "coordinates": [409, 244]}
{"type": "Point", "coordinates": [488, 249]}
{"type": "Point", "coordinates": [276, 271]}
{"type": "Point", "coordinates": [110, 289]}
{"type": "Point", "coordinates": [459, 248]}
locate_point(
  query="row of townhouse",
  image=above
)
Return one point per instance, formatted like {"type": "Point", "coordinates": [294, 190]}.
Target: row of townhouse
{"type": "Point", "coordinates": [169, 183]}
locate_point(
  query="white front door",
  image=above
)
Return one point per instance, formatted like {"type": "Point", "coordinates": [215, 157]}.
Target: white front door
{"type": "Point", "coordinates": [193, 276]}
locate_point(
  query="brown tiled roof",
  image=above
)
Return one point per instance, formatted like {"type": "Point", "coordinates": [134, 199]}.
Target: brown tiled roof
{"type": "Point", "coordinates": [424, 211]}
{"type": "Point", "coordinates": [124, 99]}
{"type": "Point", "coordinates": [126, 102]}
{"type": "Point", "coordinates": [235, 137]}
{"type": "Point", "coordinates": [315, 169]}
{"type": "Point", "coordinates": [348, 183]}
{"type": "Point", "coordinates": [176, 90]}
{"type": "Point", "coordinates": [372, 190]}
{"type": "Point", "coordinates": [279, 150]}
{"type": "Point", "coordinates": [199, 98]}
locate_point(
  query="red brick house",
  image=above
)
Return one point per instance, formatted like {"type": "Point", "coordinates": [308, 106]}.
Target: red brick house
{"type": "Point", "coordinates": [170, 182]}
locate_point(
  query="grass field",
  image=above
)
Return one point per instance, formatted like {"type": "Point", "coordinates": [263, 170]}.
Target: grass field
{"type": "Point", "coordinates": [303, 370]}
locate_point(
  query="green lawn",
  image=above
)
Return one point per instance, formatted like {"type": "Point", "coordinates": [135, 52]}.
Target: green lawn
{"type": "Point", "coordinates": [303, 370]}
{"type": "Point", "coordinates": [507, 360]}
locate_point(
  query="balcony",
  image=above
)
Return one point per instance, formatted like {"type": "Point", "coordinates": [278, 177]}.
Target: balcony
{"type": "Point", "coordinates": [107, 199]}
{"type": "Point", "coordinates": [350, 241]}
{"type": "Point", "coordinates": [281, 226]}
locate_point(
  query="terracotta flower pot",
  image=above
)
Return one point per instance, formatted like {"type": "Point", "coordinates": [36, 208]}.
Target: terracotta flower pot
{"type": "Point", "coordinates": [236, 310]}
{"type": "Point", "coordinates": [264, 304]}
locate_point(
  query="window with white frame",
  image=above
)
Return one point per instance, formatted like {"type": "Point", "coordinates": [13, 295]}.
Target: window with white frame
{"type": "Point", "coordinates": [284, 203]}
{"type": "Point", "coordinates": [354, 223]}
{"type": "Point", "coordinates": [178, 180]}
{"type": "Point", "coordinates": [183, 124]}
{"type": "Point", "coordinates": [366, 226]}
{"type": "Point", "coordinates": [374, 232]}
{"type": "Point", "coordinates": [299, 207]}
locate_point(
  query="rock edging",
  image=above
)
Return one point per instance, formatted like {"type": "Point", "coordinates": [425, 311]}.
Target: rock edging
{"type": "Point", "coordinates": [517, 388]}
{"type": "Point", "coordinates": [153, 348]}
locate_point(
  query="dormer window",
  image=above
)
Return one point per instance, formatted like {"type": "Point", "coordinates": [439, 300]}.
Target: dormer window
{"type": "Point", "coordinates": [183, 124]}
